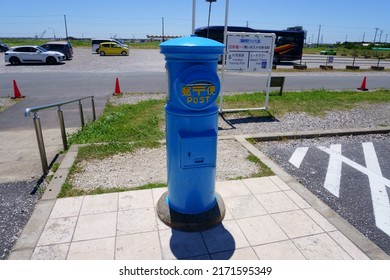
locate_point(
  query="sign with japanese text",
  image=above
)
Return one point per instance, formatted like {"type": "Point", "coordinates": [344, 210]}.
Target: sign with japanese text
{"type": "Point", "coordinates": [249, 51]}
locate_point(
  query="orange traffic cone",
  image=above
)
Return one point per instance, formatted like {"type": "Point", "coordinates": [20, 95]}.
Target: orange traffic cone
{"type": "Point", "coordinates": [17, 94]}
{"type": "Point", "coordinates": [117, 87]}
{"type": "Point", "coordinates": [363, 85]}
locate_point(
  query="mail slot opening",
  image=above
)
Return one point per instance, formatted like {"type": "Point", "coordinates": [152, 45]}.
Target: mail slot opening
{"type": "Point", "coordinates": [198, 152]}
{"type": "Point", "coordinates": [199, 160]}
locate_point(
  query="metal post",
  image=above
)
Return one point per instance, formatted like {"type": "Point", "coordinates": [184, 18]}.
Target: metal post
{"type": "Point", "coordinates": [81, 113]}
{"type": "Point", "coordinates": [62, 128]}
{"type": "Point", "coordinates": [41, 145]}
{"type": "Point", "coordinates": [93, 109]}
{"type": "Point", "coordinates": [208, 21]}
{"type": "Point", "coordinates": [66, 28]}
{"type": "Point", "coordinates": [225, 29]}
{"type": "Point", "coordinates": [193, 16]}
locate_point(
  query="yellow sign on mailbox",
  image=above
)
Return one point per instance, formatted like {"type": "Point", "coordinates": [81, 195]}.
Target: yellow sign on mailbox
{"type": "Point", "coordinates": [198, 93]}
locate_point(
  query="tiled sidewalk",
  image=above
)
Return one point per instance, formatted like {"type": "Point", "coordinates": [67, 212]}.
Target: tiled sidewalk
{"type": "Point", "coordinates": [265, 219]}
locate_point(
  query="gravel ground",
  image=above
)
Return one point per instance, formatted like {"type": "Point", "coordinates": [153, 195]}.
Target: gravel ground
{"type": "Point", "coordinates": [16, 206]}
{"type": "Point", "coordinates": [149, 166]}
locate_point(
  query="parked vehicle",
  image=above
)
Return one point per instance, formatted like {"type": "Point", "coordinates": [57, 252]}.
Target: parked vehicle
{"type": "Point", "coordinates": [32, 54]}
{"type": "Point", "coordinates": [3, 47]}
{"type": "Point", "coordinates": [95, 43]}
{"type": "Point", "coordinates": [60, 46]}
{"type": "Point", "coordinates": [111, 48]}
{"type": "Point", "coordinates": [288, 43]}
{"type": "Point", "coordinates": [328, 52]}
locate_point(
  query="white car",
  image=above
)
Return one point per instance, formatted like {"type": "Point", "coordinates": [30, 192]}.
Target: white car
{"type": "Point", "coordinates": [32, 54]}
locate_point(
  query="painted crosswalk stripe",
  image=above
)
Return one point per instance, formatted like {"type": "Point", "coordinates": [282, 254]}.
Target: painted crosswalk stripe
{"type": "Point", "coordinates": [378, 183]}
{"type": "Point", "coordinates": [333, 175]}
{"type": "Point", "coordinates": [298, 155]}
{"type": "Point", "coordinates": [357, 166]}
{"type": "Point", "coordinates": [380, 200]}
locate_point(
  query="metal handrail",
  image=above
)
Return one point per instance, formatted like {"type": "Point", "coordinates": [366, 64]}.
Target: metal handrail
{"type": "Point", "coordinates": [38, 127]}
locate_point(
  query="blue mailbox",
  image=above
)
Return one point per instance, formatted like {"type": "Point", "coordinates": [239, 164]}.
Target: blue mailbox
{"type": "Point", "coordinates": [191, 202]}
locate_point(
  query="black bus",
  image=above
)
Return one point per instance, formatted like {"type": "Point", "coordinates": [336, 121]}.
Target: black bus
{"type": "Point", "coordinates": [288, 45]}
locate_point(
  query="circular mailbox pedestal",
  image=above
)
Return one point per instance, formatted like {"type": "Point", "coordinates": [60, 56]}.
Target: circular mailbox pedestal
{"type": "Point", "coordinates": [190, 222]}
{"type": "Point", "coordinates": [191, 204]}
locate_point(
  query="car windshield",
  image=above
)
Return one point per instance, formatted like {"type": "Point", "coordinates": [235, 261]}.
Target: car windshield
{"type": "Point", "coordinates": [42, 49]}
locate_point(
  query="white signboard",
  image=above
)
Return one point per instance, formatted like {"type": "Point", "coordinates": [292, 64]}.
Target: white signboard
{"type": "Point", "coordinates": [249, 51]}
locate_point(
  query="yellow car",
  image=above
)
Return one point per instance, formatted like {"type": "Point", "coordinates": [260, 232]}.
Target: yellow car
{"type": "Point", "coordinates": [111, 48]}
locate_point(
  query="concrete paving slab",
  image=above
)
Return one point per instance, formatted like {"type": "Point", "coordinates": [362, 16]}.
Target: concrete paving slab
{"type": "Point", "coordinates": [94, 226]}
{"type": "Point", "coordinates": [283, 250]}
{"type": "Point", "coordinates": [82, 233]}
{"type": "Point", "coordinates": [296, 224]}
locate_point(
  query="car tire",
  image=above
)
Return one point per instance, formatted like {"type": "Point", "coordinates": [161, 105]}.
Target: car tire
{"type": "Point", "coordinates": [51, 60]}
{"type": "Point", "coordinates": [123, 53]}
{"type": "Point", "coordinates": [14, 60]}
{"type": "Point", "coordinates": [102, 53]}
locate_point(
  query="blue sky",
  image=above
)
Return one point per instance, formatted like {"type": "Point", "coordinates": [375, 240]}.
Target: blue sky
{"type": "Point", "coordinates": [339, 20]}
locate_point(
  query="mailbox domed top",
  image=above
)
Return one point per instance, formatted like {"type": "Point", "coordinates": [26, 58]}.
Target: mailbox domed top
{"type": "Point", "coordinates": [191, 45]}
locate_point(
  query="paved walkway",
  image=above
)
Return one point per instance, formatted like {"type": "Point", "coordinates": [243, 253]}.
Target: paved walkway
{"type": "Point", "coordinates": [265, 219]}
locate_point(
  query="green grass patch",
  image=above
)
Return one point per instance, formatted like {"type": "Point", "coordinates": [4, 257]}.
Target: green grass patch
{"type": "Point", "coordinates": [68, 190]}
{"type": "Point", "coordinates": [264, 170]}
{"type": "Point", "coordinates": [146, 45]}
{"type": "Point", "coordinates": [316, 102]}
{"type": "Point", "coordinates": [55, 167]}
{"type": "Point", "coordinates": [125, 123]}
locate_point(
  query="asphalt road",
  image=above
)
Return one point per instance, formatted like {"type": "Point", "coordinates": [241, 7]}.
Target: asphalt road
{"type": "Point", "coordinates": [142, 71]}
{"type": "Point", "coordinates": [89, 74]}
{"type": "Point", "coordinates": [350, 174]}
{"type": "Point", "coordinates": [47, 88]}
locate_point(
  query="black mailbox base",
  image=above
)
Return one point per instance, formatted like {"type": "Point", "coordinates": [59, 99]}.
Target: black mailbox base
{"type": "Point", "coordinates": [190, 222]}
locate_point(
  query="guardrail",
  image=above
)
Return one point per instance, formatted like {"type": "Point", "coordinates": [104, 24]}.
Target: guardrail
{"type": "Point", "coordinates": [343, 61]}
{"type": "Point", "coordinates": [38, 127]}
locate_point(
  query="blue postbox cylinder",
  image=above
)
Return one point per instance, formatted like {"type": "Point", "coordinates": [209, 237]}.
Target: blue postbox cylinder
{"type": "Point", "coordinates": [191, 122]}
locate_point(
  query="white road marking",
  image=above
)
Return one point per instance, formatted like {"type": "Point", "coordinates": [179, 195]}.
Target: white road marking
{"type": "Point", "coordinates": [378, 183]}
{"type": "Point", "coordinates": [333, 175]}
{"type": "Point", "coordinates": [298, 155]}
{"type": "Point", "coordinates": [357, 166]}
{"type": "Point", "coordinates": [380, 200]}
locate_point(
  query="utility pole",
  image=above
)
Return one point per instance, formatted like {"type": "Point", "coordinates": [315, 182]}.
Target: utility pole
{"type": "Point", "coordinates": [162, 26]}
{"type": "Point", "coordinates": [318, 38]}
{"type": "Point", "coordinates": [376, 30]}
{"type": "Point", "coordinates": [364, 35]}
{"type": "Point", "coordinates": [380, 36]}
{"type": "Point", "coordinates": [208, 22]}
{"type": "Point", "coordinates": [66, 28]}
